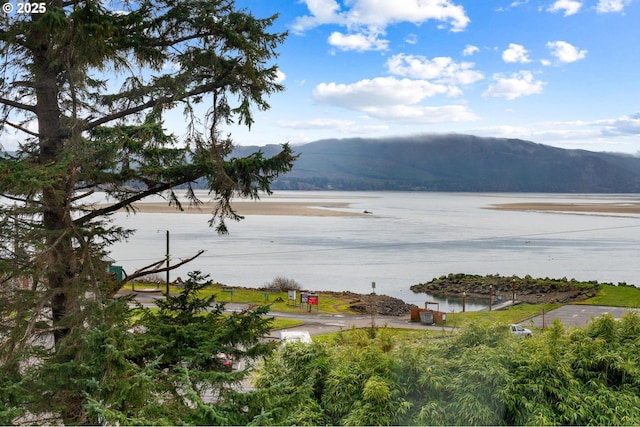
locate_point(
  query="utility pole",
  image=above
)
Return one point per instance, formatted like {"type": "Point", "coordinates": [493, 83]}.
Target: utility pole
{"type": "Point", "coordinates": [167, 262]}
{"type": "Point", "coordinates": [168, 258]}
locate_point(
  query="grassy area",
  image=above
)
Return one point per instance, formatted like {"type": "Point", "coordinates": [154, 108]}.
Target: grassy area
{"type": "Point", "coordinates": [513, 314]}
{"type": "Point", "coordinates": [396, 334]}
{"type": "Point", "coordinates": [327, 303]}
{"type": "Point", "coordinates": [279, 323]}
{"type": "Point", "coordinates": [615, 296]}
{"type": "Point", "coordinates": [608, 295]}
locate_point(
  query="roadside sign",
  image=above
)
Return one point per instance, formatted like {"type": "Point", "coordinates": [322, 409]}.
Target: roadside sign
{"type": "Point", "coordinates": [230, 290]}
{"type": "Point", "coordinates": [312, 299]}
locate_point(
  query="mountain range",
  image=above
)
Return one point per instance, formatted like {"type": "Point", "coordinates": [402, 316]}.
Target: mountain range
{"type": "Point", "coordinates": [454, 162]}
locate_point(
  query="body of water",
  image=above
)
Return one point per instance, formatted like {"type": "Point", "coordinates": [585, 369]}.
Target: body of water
{"type": "Point", "coordinates": [409, 238]}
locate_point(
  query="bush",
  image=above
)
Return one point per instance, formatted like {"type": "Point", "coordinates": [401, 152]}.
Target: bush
{"type": "Point", "coordinates": [281, 283]}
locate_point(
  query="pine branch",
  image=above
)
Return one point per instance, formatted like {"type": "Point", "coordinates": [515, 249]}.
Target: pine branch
{"type": "Point", "coordinates": [83, 195]}
{"type": "Point", "coordinates": [17, 104]}
{"type": "Point", "coordinates": [127, 202]}
{"type": "Point", "coordinates": [14, 198]}
{"type": "Point", "coordinates": [152, 269]}
{"type": "Point", "coordinates": [20, 128]}
{"type": "Point", "coordinates": [164, 100]}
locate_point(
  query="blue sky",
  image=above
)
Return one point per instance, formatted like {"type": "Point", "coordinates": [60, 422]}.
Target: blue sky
{"type": "Point", "coordinates": [557, 72]}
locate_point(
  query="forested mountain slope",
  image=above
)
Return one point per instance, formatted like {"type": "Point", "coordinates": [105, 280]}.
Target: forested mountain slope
{"type": "Point", "coordinates": [455, 163]}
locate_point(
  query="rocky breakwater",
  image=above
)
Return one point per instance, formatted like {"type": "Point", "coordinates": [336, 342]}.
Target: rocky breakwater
{"type": "Point", "coordinates": [383, 305]}
{"type": "Point", "coordinates": [527, 289]}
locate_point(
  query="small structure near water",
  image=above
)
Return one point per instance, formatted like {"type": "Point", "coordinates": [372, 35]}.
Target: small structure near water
{"type": "Point", "coordinates": [428, 316]}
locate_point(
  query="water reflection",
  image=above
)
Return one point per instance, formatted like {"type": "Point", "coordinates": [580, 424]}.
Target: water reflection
{"type": "Point", "coordinates": [450, 304]}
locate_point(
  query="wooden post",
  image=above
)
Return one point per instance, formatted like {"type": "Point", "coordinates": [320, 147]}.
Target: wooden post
{"type": "Point", "coordinates": [373, 305]}
{"type": "Point", "coordinates": [490, 296]}
{"type": "Point", "coordinates": [464, 301]}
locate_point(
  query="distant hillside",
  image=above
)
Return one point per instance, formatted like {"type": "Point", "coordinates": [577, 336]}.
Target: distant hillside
{"type": "Point", "coordinates": [455, 163]}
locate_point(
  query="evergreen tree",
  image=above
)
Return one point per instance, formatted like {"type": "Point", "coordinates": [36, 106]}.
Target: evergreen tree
{"type": "Point", "coordinates": [169, 368]}
{"type": "Point", "coordinates": [85, 89]}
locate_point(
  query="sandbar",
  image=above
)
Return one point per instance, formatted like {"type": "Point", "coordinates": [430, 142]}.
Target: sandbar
{"type": "Point", "coordinates": [593, 208]}
{"type": "Point", "coordinates": [309, 208]}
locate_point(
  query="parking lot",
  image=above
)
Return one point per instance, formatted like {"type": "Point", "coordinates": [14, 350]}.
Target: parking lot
{"type": "Point", "coordinates": [574, 315]}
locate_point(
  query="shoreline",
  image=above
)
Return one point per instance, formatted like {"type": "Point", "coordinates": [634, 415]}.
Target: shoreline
{"type": "Point", "coordinates": [335, 208]}
{"type": "Point", "coordinates": [586, 208]}
{"type": "Point", "coordinates": [242, 208]}
{"type": "Point", "coordinates": [332, 208]}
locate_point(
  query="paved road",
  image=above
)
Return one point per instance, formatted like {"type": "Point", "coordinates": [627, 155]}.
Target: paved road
{"type": "Point", "coordinates": [314, 323]}
{"type": "Point", "coordinates": [569, 315]}
{"type": "Point", "coordinates": [317, 324]}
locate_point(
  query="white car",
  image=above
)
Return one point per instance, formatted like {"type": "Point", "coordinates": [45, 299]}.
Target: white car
{"type": "Point", "coordinates": [519, 331]}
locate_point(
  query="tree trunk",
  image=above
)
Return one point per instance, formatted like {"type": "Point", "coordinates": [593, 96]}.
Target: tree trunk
{"type": "Point", "coordinates": [56, 193]}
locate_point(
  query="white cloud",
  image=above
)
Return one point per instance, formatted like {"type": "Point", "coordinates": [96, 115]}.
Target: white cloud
{"type": "Point", "coordinates": [376, 14]}
{"type": "Point", "coordinates": [280, 76]}
{"type": "Point", "coordinates": [441, 69]}
{"type": "Point", "coordinates": [565, 52]}
{"type": "Point", "coordinates": [616, 135]}
{"type": "Point", "coordinates": [322, 12]}
{"type": "Point", "coordinates": [358, 42]}
{"type": "Point", "coordinates": [389, 98]}
{"type": "Point", "coordinates": [515, 53]}
{"type": "Point", "coordinates": [625, 125]}
{"type": "Point", "coordinates": [411, 39]}
{"type": "Point", "coordinates": [513, 4]}
{"type": "Point", "coordinates": [504, 131]}
{"type": "Point", "coordinates": [570, 7]}
{"type": "Point", "coordinates": [340, 125]}
{"type": "Point", "coordinates": [609, 6]}
{"type": "Point", "coordinates": [423, 114]}
{"type": "Point", "coordinates": [316, 124]}
{"type": "Point", "coordinates": [378, 92]}
{"type": "Point", "coordinates": [470, 50]}
{"type": "Point", "coordinates": [514, 86]}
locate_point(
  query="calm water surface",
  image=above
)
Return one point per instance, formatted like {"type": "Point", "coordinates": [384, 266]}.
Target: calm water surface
{"type": "Point", "coordinates": [409, 238]}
